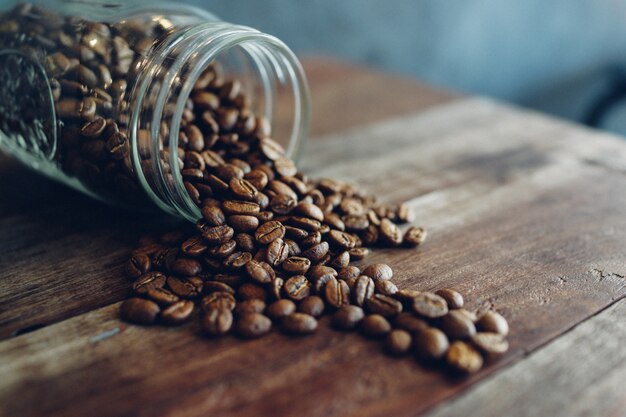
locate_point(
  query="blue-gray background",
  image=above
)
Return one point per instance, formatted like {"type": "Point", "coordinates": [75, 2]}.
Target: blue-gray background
{"type": "Point", "coordinates": [559, 56]}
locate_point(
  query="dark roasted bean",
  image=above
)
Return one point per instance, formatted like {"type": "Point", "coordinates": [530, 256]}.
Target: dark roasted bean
{"type": "Point", "coordinates": [296, 265]}
{"type": "Point", "coordinates": [277, 252]}
{"type": "Point", "coordinates": [385, 287]}
{"type": "Point", "coordinates": [270, 231]}
{"type": "Point", "coordinates": [312, 305]}
{"type": "Point", "coordinates": [492, 345]}
{"type": "Point", "coordinates": [186, 267]}
{"type": "Point", "coordinates": [362, 290]}
{"type": "Point", "coordinates": [137, 266]}
{"type": "Point", "coordinates": [317, 252]}
{"type": "Point", "coordinates": [409, 322]}
{"type": "Point", "coordinates": [213, 215]}
{"type": "Point", "coordinates": [177, 312]}
{"type": "Point", "coordinates": [430, 305]}
{"type": "Point", "coordinates": [298, 324]}
{"type": "Point", "coordinates": [280, 308]}
{"type": "Point", "coordinates": [414, 236]}
{"type": "Point", "coordinates": [398, 342]}
{"type": "Point", "coordinates": [248, 291]}
{"type": "Point", "coordinates": [457, 325]}
{"type": "Point", "coordinates": [194, 246]}
{"type": "Point", "coordinates": [260, 272]}
{"type": "Point", "coordinates": [214, 286]}
{"type": "Point", "coordinates": [378, 272]}
{"type": "Point", "coordinates": [218, 234]}
{"type": "Point", "coordinates": [463, 357]}
{"type": "Point", "coordinates": [452, 297]}
{"type": "Point", "coordinates": [384, 305]}
{"type": "Point", "coordinates": [336, 293]}
{"type": "Point", "coordinates": [243, 223]}
{"type": "Point", "coordinates": [217, 321]}
{"type": "Point", "coordinates": [493, 322]}
{"type": "Point", "coordinates": [430, 344]}
{"type": "Point", "coordinates": [161, 296]}
{"type": "Point", "coordinates": [183, 288]}
{"type": "Point", "coordinates": [253, 325]}
{"type": "Point", "coordinates": [297, 287]}
{"type": "Point", "coordinates": [148, 281]}
{"type": "Point", "coordinates": [222, 300]}
{"type": "Point", "coordinates": [390, 234]}
{"type": "Point", "coordinates": [139, 311]}
{"type": "Point", "coordinates": [253, 305]}
{"type": "Point", "coordinates": [375, 325]}
{"type": "Point", "coordinates": [348, 317]}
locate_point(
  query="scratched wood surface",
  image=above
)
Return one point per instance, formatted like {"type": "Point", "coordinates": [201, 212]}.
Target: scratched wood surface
{"type": "Point", "coordinates": [527, 216]}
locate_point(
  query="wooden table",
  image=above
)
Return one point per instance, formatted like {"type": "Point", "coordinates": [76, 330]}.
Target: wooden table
{"type": "Point", "coordinates": [527, 216]}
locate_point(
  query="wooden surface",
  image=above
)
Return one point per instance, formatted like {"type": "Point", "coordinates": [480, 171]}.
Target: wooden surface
{"type": "Point", "coordinates": [527, 215]}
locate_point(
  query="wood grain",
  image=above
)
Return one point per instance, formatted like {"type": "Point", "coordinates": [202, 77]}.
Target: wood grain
{"type": "Point", "coordinates": [586, 368]}
{"type": "Point", "coordinates": [527, 216]}
{"type": "Point", "coordinates": [55, 240]}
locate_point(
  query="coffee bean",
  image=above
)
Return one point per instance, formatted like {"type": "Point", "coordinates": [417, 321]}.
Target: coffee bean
{"type": "Point", "coordinates": [280, 308]}
{"type": "Point", "coordinates": [431, 344]}
{"type": "Point", "coordinates": [337, 293]}
{"type": "Point", "coordinates": [398, 342]}
{"type": "Point", "coordinates": [183, 288]}
{"type": "Point", "coordinates": [243, 223]}
{"type": "Point", "coordinates": [355, 223]}
{"type": "Point", "coordinates": [177, 312]}
{"type": "Point", "coordinates": [248, 291]}
{"type": "Point", "coordinates": [245, 242]}
{"type": "Point", "coordinates": [243, 189]}
{"type": "Point", "coordinates": [406, 296]}
{"type": "Point", "coordinates": [312, 305]}
{"type": "Point", "coordinates": [271, 149]}
{"type": "Point", "coordinates": [253, 305]}
{"type": "Point", "coordinates": [457, 325]}
{"type": "Point", "coordinates": [378, 272]}
{"type": "Point", "coordinates": [463, 357]}
{"type": "Point", "coordinates": [148, 281]}
{"type": "Point", "coordinates": [295, 233]}
{"type": "Point", "coordinates": [186, 267]}
{"type": "Point", "coordinates": [296, 265]}
{"type": "Point", "coordinates": [384, 305]}
{"type": "Point", "coordinates": [363, 290]}
{"type": "Point", "coordinates": [298, 324]}
{"type": "Point", "coordinates": [139, 311]}
{"type": "Point", "coordinates": [492, 345]}
{"type": "Point", "coordinates": [214, 286]}
{"type": "Point", "coordinates": [414, 236]}
{"type": "Point", "coordinates": [257, 178]}
{"type": "Point", "coordinates": [385, 287]}
{"type": "Point", "coordinates": [452, 297]}
{"type": "Point", "coordinates": [430, 305]}
{"type": "Point", "coordinates": [405, 213]}
{"type": "Point", "coordinates": [390, 234]}
{"type": "Point", "coordinates": [270, 231]}
{"type": "Point", "coordinates": [352, 206]}
{"type": "Point", "coordinates": [348, 317]}
{"type": "Point", "coordinates": [358, 254]}
{"type": "Point", "coordinates": [194, 246]}
{"type": "Point", "coordinates": [310, 210]}
{"type": "Point", "coordinates": [277, 252]}
{"type": "Point", "coordinates": [218, 234]}
{"type": "Point", "coordinates": [223, 300]}
{"type": "Point", "coordinates": [237, 260]}
{"type": "Point", "coordinates": [375, 325]}
{"type": "Point", "coordinates": [217, 321]}
{"type": "Point", "coordinates": [320, 275]}
{"type": "Point", "coordinates": [137, 266]}
{"type": "Point", "coordinates": [410, 323]}
{"type": "Point", "coordinates": [240, 207]}
{"type": "Point", "coordinates": [213, 215]}
{"type": "Point", "coordinates": [317, 252]}
{"type": "Point", "coordinates": [253, 325]}
{"type": "Point", "coordinates": [221, 251]}
{"type": "Point", "coordinates": [493, 322]}
{"type": "Point", "coordinates": [312, 239]}
{"type": "Point", "coordinates": [260, 272]}
{"type": "Point", "coordinates": [279, 187]}
{"type": "Point", "coordinates": [297, 287]}
{"type": "Point", "coordinates": [349, 272]}
{"type": "Point", "coordinates": [340, 261]}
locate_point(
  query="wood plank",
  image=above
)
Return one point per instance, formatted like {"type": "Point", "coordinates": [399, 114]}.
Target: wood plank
{"type": "Point", "coordinates": [56, 240]}
{"type": "Point", "coordinates": [527, 216]}
{"type": "Point", "coordinates": [581, 374]}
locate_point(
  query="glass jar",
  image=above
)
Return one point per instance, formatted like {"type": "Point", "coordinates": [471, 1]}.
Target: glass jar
{"type": "Point", "coordinates": [126, 101]}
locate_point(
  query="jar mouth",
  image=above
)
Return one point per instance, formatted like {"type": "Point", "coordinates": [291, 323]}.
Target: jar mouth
{"type": "Point", "coordinates": [188, 54]}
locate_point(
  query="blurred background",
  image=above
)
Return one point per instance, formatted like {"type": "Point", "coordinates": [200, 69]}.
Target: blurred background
{"type": "Point", "coordinates": [565, 57]}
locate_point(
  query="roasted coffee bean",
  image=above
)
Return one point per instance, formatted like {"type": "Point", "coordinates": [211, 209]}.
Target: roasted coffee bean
{"type": "Point", "coordinates": [430, 305]}
{"type": "Point", "coordinates": [222, 251]}
{"type": "Point", "coordinates": [277, 252]}
{"type": "Point", "coordinates": [406, 296]}
{"type": "Point", "coordinates": [493, 322]}
{"type": "Point", "coordinates": [213, 215]}
{"type": "Point", "coordinates": [414, 236]}
{"type": "Point", "coordinates": [410, 323]}
{"type": "Point", "coordinates": [194, 246]}
{"type": "Point", "coordinates": [243, 189]}
{"type": "Point", "coordinates": [243, 223]}
{"type": "Point", "coordinates": [193, 192]}
{"type": "Point", "coordinates": [390, 234]}
{"type": "Point", "coordinates": [139, 311]}
{"type": "Point", "coordinates": [257, 178]}
{"type": "Point", "coordinates": [384, 305]}
{"type": "Point", "coordinates": [162, 297]}
{"type": "Point", "coordinates": [310, 210]}
{"type": "Point", "coordinates": [316, 252]}
{"type": "Point", "coordinates": [223, 300]}
{"type": "Point", "coordinates": [385, 287]}
{"type": "Point", "coordinates": [186, 267]}
{"type": "Point", "coordinates": [334, 221]}
{"type": "Point", "coordinates": [362, 290]}
{"type": "Point", "coordinates": [352, 206]}
{"type": "Point", "coordinates": [177, 313]}
{"type": "Point", "coordinates": [295, 233]}
{"type": "Point", "coordinates": [320, 275]}
{"type": "Point", "coordinates": [237, 260]}
{"type": "Point", "coordinates": [431, 344]}
{"type": "Point", "coordinates": [248, 291]}
{"type": "Point", "coordinates": [312, 239]}
{"type": "Point", "coordinates": [463, 357]}
{"type": "Point", "coordinates": [218, 234]}
{"type": "Point", "coordinates": [405, 213]}
{"type": "Point", "coordinates": [232, 280]}
{"type": "Point", "coordinates": [271, 149]}
{"type": "Point", "coordinates": [358, 253]}
{"type": "Point", "coordinates": [240, 207]}
{"type": "Point", "coordinates": [452, 297]}
{"type": "Point", "coordinates": [457, 325]}
{"type": "Point", "coordinates": [217, 321]}
{"type": "Point", "coordinates": [270, 231]}
{"type": "Point", "coordinates": [297, 287]}
{"type": "Point", "coordinates": [492, 345]}
{"type": "Point", "coordinates": [398, 342]}
{"type": "Point", "coordinates": [214, 286]}
{"type": "Point", "coordinates": [138, 265]}
{"type": "Point", "coordinates": [298, 324]}
{"type": "Point", "coordinates": [184, 288]}
{"type": "Point", "coordinates": [94, 128]}
{"type": "Point", "coordinates": [148, 281]}
{"type": "Point", "coordinates": [336, 293]}
{"type": "Point", "coordinates": [312, 305]}
{"type": "Point", "coordinates": [253, 305]}
{"type": "Point", "coordinates": [355, 223]}
{"type": "Point", "coordinates": [348, 317]}
{"type": "Point", "coordinates": [253, 325]}
{"type": "Point", "coordinates": [340, 261]}
{"type": "Point", "coordinates": [280, 308]}
{"type": "Point", "coordinates": [349, 272]}
{"type": "Point", "coordinates": [310, 225]}
{"type": "Point", "coordinates": [260, 271]}
{"type": "Point", "coordinates": [246, 242]}
{"type": "Point", "coordinates": [296, 265]}
{"type": "Point", "coordinates": [378, 272]}
{"type": "Point", "coordinates": [375, 325]}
